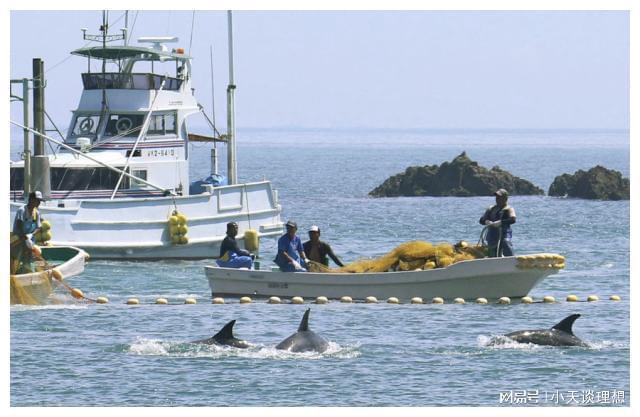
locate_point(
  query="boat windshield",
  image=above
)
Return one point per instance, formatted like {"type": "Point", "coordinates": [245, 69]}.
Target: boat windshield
{"type": "Point", "coordinates": [139, 81]}
{"type": "Point", "coordinates": [86, 125]}
{"type": "Point", "coordinates": [129, 125]}
{"type": "Point", "coordinates": [124, 125]}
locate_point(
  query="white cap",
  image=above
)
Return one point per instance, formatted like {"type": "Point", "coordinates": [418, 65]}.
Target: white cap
{"type": "Point", "coordinates": [36, 195]}
{"type": "Point", "coordinates": [314, 228]}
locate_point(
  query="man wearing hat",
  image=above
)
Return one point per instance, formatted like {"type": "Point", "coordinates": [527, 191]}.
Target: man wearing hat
{"type": "Point", "coordinates": [499, 218]}
{"type": "Point", "coordinates": [26, 222]}
{"type": "Point", "coordinates": [291, 256]}
{"type": "Point", "coordinates": [317, 250]}
{"type": "Point", "coordinates": [231, 256]}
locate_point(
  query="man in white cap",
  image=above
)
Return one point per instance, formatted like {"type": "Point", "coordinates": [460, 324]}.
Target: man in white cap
{"type": "Point", "coordinates": [499, 218]}
{"type": "Point", "coordinates": [291, 256]}
{"type": "Point", "coordinates": [26, 222]}
{"type": "Point", "coordinates": [317, 250]}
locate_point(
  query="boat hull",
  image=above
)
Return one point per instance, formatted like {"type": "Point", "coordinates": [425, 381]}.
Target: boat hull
{"type": "Point", "coordinates": [137, 228]}
{"type": "Point", "coordinates": [68, 260]}
{"type": "Point", "coordinates": [489, 277]}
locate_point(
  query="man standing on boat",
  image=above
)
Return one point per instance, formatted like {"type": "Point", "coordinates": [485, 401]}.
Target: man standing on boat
{"type": "Point", "coordinates": [498, 219]}
{"type": "Point", "coordinates": [25, 224]}
{"type": "Point", "coordinates": [317, 250]}
{"type": "Point", "coordinates": [231, 256]}
{"type": "Point", "coordinates": [291, 256]}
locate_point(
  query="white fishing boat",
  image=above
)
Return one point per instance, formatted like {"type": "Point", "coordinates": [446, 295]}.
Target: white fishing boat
{"type": "Point", "coordinates": [490, 278]}
{"type": "Point", "coordinates": [35, 287]}
{"type": "Point", "coordinates": [123, 166]}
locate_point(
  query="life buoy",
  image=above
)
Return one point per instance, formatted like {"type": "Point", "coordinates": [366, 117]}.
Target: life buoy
{"type": "Point", "coordinates": [123, 124]}
{"type": "Point", "coordinates": [86, 125]}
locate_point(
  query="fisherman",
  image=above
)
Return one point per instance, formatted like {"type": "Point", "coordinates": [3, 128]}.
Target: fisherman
{"type": "Point", "coordinates": [231, 256]}
{"type": "Point", "coordinates": [26, 222]}
{"type": "Point", "coordinates": [291, 256]}
{"type": "Point", "coordinates": [499, 218]}
{"type": "Point", "coordinates": [317, 250]}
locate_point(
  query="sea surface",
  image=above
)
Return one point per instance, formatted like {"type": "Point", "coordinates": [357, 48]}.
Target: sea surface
{"type": "Point", "coordinates": [80, 354]}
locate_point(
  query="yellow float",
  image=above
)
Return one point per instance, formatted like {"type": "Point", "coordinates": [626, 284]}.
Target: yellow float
{"type": "Point", "coordinates": [251, 240]}
{"type": "Point", "coordinates": [178, 228]}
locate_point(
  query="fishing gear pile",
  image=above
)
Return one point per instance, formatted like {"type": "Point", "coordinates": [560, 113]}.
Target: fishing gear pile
{"type": "Point", "coordinates": [410, 256]}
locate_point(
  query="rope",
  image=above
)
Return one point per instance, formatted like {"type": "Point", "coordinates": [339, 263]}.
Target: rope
{"type": "Point", "coordinates": [246, 197]}
{"type": "Point", "coordinates": [49, 269]}
{"type": "Point", "coordinates": [482, 239]}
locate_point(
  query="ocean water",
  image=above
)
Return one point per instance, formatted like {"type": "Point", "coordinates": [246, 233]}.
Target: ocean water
{"type": "Point", "coordinates": [380, 355]}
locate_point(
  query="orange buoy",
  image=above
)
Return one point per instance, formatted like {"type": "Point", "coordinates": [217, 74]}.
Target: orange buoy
{"type": "Point", "coordinates": [77, 293]}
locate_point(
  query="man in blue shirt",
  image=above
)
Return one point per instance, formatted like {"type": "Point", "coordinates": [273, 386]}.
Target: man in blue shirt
{"type": "Point", "coordinates": [231, 256]}
{"type": "Point", "coordinates": [291, 256]}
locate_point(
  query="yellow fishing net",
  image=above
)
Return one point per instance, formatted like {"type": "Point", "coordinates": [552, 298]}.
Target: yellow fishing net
{"type": "Point", "coordinates": [30, 276]}
{"type": "Point", "coordinates": [30, 289]}
{"type": "Point", "coordinates": [410, 256]}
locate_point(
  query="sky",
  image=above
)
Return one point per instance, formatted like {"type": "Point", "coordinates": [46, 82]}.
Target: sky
{"type": "Point", "coordinates": [369, 69]}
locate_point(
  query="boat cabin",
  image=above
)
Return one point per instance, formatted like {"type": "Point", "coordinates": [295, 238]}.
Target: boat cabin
{"type": "Point", "coordinates": [131, 115]}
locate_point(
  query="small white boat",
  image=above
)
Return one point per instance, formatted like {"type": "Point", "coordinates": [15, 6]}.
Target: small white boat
{"type": "Point", "coordinates": [490, 278]}
{"type": "Point", "coordinates": [35, 287]}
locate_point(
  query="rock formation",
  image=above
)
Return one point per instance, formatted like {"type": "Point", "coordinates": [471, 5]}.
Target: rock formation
{"type": "Point", "coordinates": [461, 177]}
{"type": "Point", "coordinates": [598, 183]}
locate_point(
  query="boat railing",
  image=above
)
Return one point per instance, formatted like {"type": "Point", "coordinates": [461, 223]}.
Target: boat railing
{"type": "Point", "coordinates": [129, 81]}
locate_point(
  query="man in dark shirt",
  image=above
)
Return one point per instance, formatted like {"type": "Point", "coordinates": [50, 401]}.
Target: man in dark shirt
{"type": "Point", "coordinates": [231, 256]}
{"type": "Point", "coordinates": [498, 219]}
{"type": "Point", "coordinates": [317, 250]}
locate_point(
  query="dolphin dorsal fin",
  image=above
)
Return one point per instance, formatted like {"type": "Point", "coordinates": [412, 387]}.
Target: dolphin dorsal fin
{"type": "Point", "coordinates": [304, 323]}
{"type": "Point", "coordinates": [226, 332]}
{"type": "Point", "coordinates": [567, 323]}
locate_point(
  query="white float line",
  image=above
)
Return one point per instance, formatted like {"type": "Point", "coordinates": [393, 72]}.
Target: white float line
{"type": "Point", "coordinates": [368, 300]}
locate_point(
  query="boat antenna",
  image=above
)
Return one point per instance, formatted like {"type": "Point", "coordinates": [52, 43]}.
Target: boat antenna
{"type": "Point", "coordinates": [126, 26]}
{"type": "Point", "coordinates": [213, 95]}
{"type": "Point", "coordinates": [231, 128]}
{"type": "Point", "coordinates": [214, 151]}
{"type": "Point", "coordinates": [193, 18]}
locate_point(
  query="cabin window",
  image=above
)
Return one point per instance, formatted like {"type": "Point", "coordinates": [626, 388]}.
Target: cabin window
{"type": "Point", "coordinates": [139, 173]}
{"type": "Point", "coordinates": [16, 181]}
{"type": "Point", "coordinates": [86, 125]}
{"type": "Point", "coordinates": [138, 81]}
{"type": "Point", "coordinates": [69, 179]}
{"type": "Point", "coordinates": [162, 124]}
{"type": "Point", "coordinates": [124, 125]}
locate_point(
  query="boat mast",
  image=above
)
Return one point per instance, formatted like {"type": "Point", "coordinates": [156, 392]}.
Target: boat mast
{"type": "Point", "coordinates": [27, 145]}
{"type": "Point", "coordinates": [104, 28]}
{"type": "Point", "coordinates": [40, 175]}
{"type": "Point", "coordinates": [232, 173]}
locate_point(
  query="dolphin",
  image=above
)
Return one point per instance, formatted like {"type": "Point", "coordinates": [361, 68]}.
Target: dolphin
{"type": "Point", "coordinates": [304, 340]}
{"type": "Point", "coordinates": [559, 335]}
{"type": "Point", "coordinates": [224, 337]}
